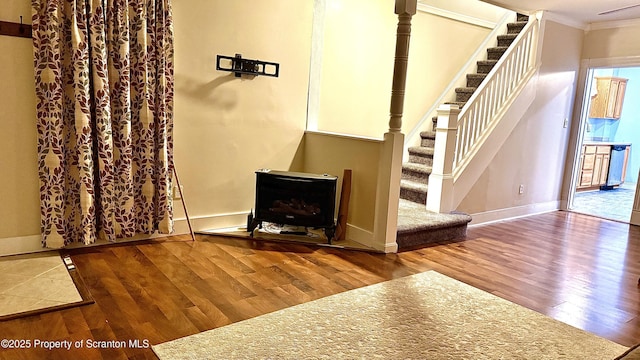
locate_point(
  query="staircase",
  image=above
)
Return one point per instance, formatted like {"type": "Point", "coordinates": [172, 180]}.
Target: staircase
{"type": "Point", "coordinates": [416, 226]}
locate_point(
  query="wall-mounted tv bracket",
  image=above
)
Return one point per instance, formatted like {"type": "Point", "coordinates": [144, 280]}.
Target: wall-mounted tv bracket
{"type": "Point", "coordinates": [240, 66]}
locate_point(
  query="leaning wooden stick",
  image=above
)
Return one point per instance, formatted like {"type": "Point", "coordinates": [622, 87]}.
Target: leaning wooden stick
{"type": "Point", "coordinates": [343, 209]}
{"type": "Point", "coordinates": [184, 206]}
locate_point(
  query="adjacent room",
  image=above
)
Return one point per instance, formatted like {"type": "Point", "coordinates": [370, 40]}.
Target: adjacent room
{"type": "Point", "coordinates": [319, 179]}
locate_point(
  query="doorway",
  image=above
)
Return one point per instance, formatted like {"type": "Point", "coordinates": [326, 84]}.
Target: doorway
{"type": "Point", "coordinates": [607, 167]}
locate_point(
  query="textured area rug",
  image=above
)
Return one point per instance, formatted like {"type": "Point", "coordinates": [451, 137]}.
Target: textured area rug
{"type": "Point", "coordinates": [423, 316]}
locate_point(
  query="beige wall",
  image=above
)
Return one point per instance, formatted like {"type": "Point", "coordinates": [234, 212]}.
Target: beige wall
{"type": "Point", "coordinates": [19, 198]}
{"type": "Point", "coordinates": [611, 43]}
{"type": "Point", "coordinates": [358, 57]}
{"type": "Point", "coordinates": [324, 153]}
{"type": "Point", "coordinates": [226, 127]}
{"type": "Point", "coordinates": [535, 153]}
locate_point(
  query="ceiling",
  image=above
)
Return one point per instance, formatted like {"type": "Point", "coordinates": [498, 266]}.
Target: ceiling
{"type": "Point", "coordinates": [580, 11]}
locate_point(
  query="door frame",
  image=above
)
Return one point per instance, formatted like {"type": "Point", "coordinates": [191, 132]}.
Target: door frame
{"type": "Point", "coordinates": [579, 121]}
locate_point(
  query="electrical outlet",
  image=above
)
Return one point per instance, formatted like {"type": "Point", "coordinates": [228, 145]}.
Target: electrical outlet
{"type": "Point", "coordinates": [177, 192]}
{"type": "Point", "coordinates": [521, 189]}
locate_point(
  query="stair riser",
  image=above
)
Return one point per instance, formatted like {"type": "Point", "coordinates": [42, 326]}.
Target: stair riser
{"type": "Point", "coordinates": [485, 69]}
{"type": "Point", "coordinates": [522, 17]}
{"type": "Point", "coordinates": [494, 54]}
{"type": "Point", "coordinates": [474, 81]}
{"type": "Point", "coordinates": [515, 28]}
{"type": "Point", "coordinates": [416, 176]}
{"type": "Point", "coordinates": [413, 195]}
{"type": "Point", "coordinates": [505, 42]}
{"type": "Point", "coordinates": [421, 159]}
{"type": "Point", "coordinates": [428, 142]}
{"type": "Point", "coordinates": [463, 96]}
{"type": "Point", "coordinates": [419, 240]}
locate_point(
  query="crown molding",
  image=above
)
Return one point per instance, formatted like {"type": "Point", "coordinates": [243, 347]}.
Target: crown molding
{"type": "Point", "coordinates": [613, 24]}
{"type": "Point", "coordinates": [456, 16]}
{"type": "Point", "coordinates": [565, 20]}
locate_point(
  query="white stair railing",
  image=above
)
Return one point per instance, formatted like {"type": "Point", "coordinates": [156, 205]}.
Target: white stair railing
{"type": "Point", "coordinates": [480, 114]}
{"type": "Point", "coordinates": [460, 134]}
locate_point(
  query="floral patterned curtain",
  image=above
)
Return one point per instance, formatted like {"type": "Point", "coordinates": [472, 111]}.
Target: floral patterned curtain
{"type": "Point", "coordinates": [104, 89]}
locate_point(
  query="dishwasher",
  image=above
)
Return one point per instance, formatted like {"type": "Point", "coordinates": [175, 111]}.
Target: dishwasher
{"type": "Point", "coordinates": [616, 165]}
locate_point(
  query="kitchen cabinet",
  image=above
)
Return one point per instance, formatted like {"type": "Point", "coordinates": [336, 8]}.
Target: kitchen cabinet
{"type": "Point", "coordinates": [603, 165]}
{"type": "Point", "coordinates": [594, 166]}
{"type": "Point", "coordinates": [609, 97]}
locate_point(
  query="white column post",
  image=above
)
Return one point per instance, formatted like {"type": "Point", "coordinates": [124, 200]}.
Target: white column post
{"type": "Point", "coordinates": [405, 9]}
{"type": "Point", "coordinates": [440, 193]}
{"type": "Point", "coordinates": [390, 166]}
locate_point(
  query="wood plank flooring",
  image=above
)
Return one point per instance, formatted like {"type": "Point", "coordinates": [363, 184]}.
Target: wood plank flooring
{"type": "Point", "coordinates": [575, 268]}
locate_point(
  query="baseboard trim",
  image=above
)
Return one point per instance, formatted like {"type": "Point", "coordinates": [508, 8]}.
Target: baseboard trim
{"type": "Point", "coordinates": [487, 217]}
{"type": "Point", "coordinates": [21, 245]}
{"type": "Point", "coordinates": [32, 243]}
{"type": "Point", "coordinates": [209, 222]}
{"type": "Point", "coordinates": [360, 235]}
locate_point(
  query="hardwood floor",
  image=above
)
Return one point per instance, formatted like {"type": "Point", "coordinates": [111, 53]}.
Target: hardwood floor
{"type": "Point", "coordinates": [575, 268]}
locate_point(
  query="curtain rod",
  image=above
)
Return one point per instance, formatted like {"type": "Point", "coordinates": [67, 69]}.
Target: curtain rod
{"type": "Point", "coordinates": [15, 29]}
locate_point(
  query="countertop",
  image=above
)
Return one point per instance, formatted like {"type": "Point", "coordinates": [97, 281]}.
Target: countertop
{"type": "Point", "coordinates": [605, 143]}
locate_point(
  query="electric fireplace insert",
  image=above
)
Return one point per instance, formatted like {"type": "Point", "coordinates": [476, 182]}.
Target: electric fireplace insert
{"type": "Point", "coordinates": [293, 198]}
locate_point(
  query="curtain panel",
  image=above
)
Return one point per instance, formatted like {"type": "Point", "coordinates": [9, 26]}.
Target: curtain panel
{"type": "Point", "coordinates": [104, 97]}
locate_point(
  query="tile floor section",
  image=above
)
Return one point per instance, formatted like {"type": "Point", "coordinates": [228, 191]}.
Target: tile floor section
{"type": "Point", "coordinates": [613, 204]}
{"type": "Point", "coordinates": [33, 282]}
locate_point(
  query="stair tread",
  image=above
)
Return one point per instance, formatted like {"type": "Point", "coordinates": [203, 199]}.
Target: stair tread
{"type": "Point", "coordinates": [466, 89]}
{"type": "Point", "coordinates": [478, 76]}
{"type": "Point", "coordinates": [507, 36]}
{"type": "Point", "coordinates": [417, 168]}
{"type": "Point", "coordinates": [497, 48]}
{"type": "Point", "coordinates": [415, 217]}
{"type": "Point", "coordinates": [421, 150]}
{"type": "Point", "coordinates": [487, 62]}
{"type": "Point", "coordinates": [413, 185]}
{"type": "Point", "coordinates": [459, 103]}
{"type": "Point", "coordinates": [428, 134]}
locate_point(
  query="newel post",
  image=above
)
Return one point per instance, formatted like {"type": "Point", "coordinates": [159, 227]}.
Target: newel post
{"type": "Point", "coordinates": [405, 9]}
{"type": "Point", "coordinates": [440, 194]}
{"type": "Point", "coordinates": [385, 226]}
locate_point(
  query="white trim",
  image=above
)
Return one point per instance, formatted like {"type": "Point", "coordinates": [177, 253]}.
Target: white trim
{"type": "Point", "coordinates": [564, 20]}
{"type": "Point", "coordinates": [344, 136]}
{"type": "Point", "coordinates": [491, 216]}
{"type": "Point", "coordinates": [207, 222]}
{"type": "Point", "coordinates": [622, 61]}
{"type": "Point", "coordinates": [359, 235]}
{"type": "Point", "coordinates": [612, 24]}
{"type": "Point", "coordinates": [21, 245]}
{"type": "Point", "coordinates": [32, 243]}
{"type": "Point", "coordinates": [456, 16]}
